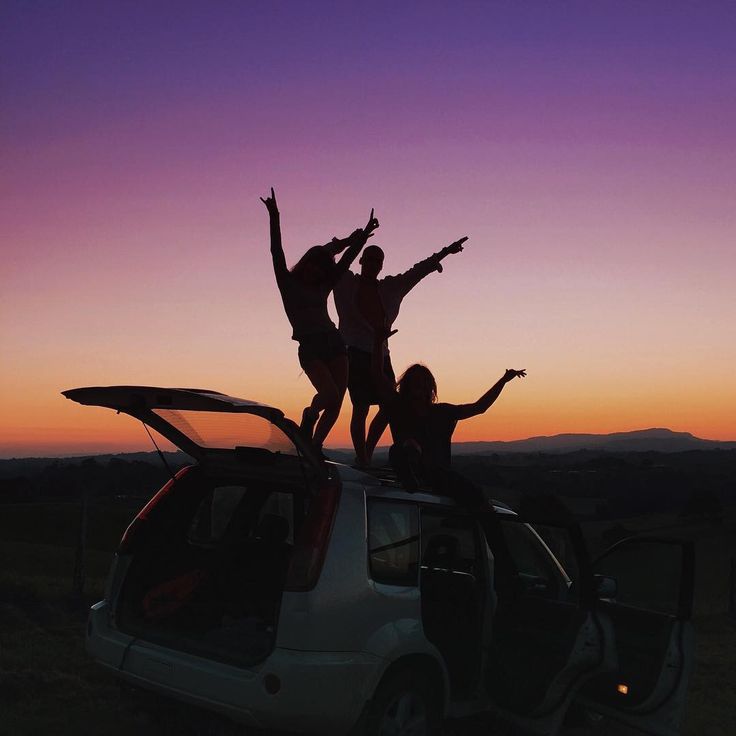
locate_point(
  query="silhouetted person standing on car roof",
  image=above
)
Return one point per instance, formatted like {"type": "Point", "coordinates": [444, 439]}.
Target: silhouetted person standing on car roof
{"type": "Point", "coordinates": [366, 304]}
{"type": "Point", "coordinates": [304, 291]}
{"type": "Point", "coordinates": [422, 429]}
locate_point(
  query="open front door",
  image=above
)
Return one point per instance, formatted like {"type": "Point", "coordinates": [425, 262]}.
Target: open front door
{"type": "Point", "coordinates": [646, 588]}
{"type": "Point", "coordinates": [546, 638]}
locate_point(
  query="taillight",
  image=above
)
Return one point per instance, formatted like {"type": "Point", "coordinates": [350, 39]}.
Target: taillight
{"type": "Point", "coordinates": [131, 535]}
{"type": "Point", "coordinates": [310, 546]}
{"type": "Point", "coordinates": [137, 527]}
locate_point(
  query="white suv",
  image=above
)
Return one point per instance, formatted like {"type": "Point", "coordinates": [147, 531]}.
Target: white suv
{"type": "Point", "coordinates": [286, 592]}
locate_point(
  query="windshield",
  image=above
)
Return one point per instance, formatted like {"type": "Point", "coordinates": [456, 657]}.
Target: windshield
{"type": "Point", "coordinates": [226, 430]}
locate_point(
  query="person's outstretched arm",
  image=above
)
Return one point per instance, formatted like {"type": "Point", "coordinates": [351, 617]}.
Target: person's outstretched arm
{"type": "Point", "coordinates": [409, 279]}
{"type": "Point", "coordinates": [277, 249]}
{"type": "Point", "coordinates": [464, 411]}
{"type": "Point", "coordinates": [338, 245]}
{"type": "Point", "coordinates": [357, 240]}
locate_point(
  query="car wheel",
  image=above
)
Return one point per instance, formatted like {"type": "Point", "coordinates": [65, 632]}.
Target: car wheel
{"type": "Point", "coordinates": [405, 704]}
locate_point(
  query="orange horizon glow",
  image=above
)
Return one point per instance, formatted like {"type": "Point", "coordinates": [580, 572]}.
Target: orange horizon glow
{"type": "Point", "coordinates": [83, 430]}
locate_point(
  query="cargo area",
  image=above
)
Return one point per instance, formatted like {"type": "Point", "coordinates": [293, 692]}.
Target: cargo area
{"type": "Point", "coordinates": [209, 560]}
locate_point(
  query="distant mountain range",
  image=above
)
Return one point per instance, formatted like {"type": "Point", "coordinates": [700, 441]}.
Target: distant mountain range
{"type": "Point", "coordinates": [642, 440]}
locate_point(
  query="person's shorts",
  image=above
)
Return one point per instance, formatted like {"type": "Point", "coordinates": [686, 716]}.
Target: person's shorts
{"type": "Point", "coordinates": [324, 346]}
{"type": "Point", "coordinates": [361, 385]}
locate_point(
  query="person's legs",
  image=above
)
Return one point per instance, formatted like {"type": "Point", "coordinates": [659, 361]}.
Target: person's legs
{"type": "Point", "coordinates": [338, 371]}
{"type": "Point", "coordinates": [362, 395]}
{"type": "Point", "coordinates": [380, 421]}
{"type": "Point", "coordinates": [357, 432]}
{"type": "Point", "coordinates": [448, 482]}
{"type": "Point", "coordinates": [377, 428]}
{"type": "Point", "coordinates": [406, 460]}
{"type": "Point", "coordinates": [327, 395]}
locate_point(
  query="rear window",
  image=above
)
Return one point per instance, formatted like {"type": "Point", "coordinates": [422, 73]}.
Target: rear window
{"type": "Point", "coordinates": [226, 430]}
{"type": "Point", "coordinates": [393, 543]}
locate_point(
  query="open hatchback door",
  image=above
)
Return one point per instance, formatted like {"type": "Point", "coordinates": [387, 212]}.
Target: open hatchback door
{"type": "Point", "coordinates": [214, 428]}
{"type": "Point", "coordinates": [203, 566]}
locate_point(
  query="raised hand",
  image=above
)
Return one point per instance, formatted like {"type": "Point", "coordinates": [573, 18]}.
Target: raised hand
{"type": "Point", "coordinates": [455, 247]}
{"type": "Point", "coordinates": [511, 374]}
{"type": "Point", "coordinates": [371, 226]}
{"type": "Point", "coordinates": [270, 202]}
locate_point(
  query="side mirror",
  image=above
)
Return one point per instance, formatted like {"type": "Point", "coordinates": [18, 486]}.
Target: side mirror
{"type": "Point", "coordinates": [605, 586]}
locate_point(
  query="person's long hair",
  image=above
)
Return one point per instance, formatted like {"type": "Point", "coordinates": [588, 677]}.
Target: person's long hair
{"type": "Point", "coordinates": [318, 257]}
{"type": "Point", "coordinates": [410, 375]}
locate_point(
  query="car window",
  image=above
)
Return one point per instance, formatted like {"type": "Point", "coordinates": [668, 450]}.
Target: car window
{"type": "Point", "coordinates": [221, 429]}
{"type": "Point", "coordinates": [214, 514]}
{"type": "Point", "coordinates": [280, 505]}
{"type": "Point", "coordinates": [450, 543]}
{"type": "Point", "coordinates": [393, 542]}
{"type": "Point", "coordinates": [239, 512]}
{"type": "Point", "coordinates": [533, 569]}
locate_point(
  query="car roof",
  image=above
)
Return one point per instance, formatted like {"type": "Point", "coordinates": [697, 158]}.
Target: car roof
{"type": "Point", "coordinates": [382, 483]}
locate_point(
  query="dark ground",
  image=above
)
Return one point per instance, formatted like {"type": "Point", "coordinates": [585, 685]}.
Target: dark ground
{"type": "Point", "coordinates": [49, 686]}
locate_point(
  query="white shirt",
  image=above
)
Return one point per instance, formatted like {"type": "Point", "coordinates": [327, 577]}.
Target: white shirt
{"type": "Point", "coordinates": [354, 328]}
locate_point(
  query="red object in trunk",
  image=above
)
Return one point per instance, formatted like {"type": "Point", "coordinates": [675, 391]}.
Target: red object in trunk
{"type": "Point", "coordinates": [169, 596]}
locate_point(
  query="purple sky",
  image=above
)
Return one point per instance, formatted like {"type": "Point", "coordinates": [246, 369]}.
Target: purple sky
{"type": "Point", "coordinates": [587, 149]}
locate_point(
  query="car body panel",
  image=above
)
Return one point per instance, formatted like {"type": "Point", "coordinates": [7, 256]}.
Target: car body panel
{"type": "Point", "coordinates": [321, 692]}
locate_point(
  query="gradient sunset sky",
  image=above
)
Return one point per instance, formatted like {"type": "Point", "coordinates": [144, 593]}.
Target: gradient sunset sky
{"type": "Point", "coordinates": [588, 149]}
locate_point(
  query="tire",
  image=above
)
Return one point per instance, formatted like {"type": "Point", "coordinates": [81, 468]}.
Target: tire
{"type": "Point", "coordinates": [405, 704]}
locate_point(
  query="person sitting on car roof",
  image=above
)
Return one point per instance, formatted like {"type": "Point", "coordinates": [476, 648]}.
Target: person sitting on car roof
{"type": "Point", "coordinates": [422, 428]}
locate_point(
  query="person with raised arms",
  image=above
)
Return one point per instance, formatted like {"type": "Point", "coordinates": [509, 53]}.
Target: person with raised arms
{"type": "Point", "coordinates": [304, 291]}
{"type": "Point", "coordinates": [422, 429]}
{"type": "Point", "coordinates": [364, 305]}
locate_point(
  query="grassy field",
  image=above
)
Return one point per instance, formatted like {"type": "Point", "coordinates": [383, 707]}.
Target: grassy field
{"type": "Point", "coordinates": [49, 686]}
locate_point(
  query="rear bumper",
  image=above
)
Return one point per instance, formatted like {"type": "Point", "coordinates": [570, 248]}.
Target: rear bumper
{"type": "Point", "coordinates": [310, 692]}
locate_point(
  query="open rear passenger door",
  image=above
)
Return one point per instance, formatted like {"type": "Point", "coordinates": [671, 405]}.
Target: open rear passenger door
{"type": "Point", "coordinates": [646, 590]}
